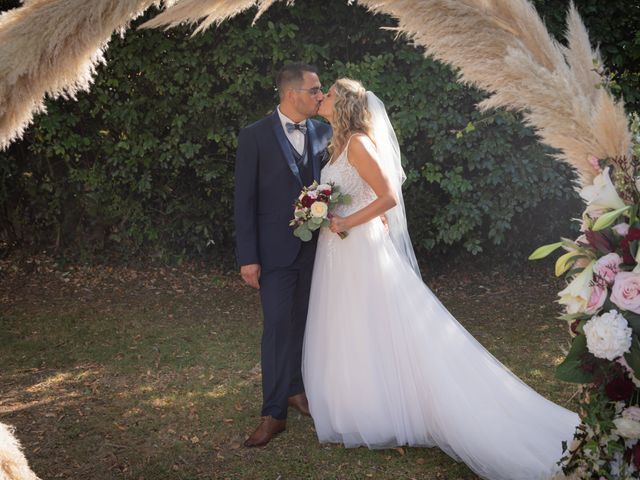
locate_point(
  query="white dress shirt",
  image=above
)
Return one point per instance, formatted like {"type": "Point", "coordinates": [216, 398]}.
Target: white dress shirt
{"type": "Point", "coordinates": [296, 137]}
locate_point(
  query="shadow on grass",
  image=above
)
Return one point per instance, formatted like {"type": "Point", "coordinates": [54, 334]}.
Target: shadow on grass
{"type": "Point", "coordinates": [140, 385]}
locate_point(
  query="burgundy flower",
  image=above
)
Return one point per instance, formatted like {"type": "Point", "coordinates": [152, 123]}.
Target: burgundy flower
{"type": "Point", "coordinates": [588, 364]}
{"type": "Point", "coordinates": [632, 455]}
{"type": "Point", "coordinates": [620, 388]}
{"type": "Point", "coordinates": [307, 201]}
{"type": "Point", "coordinates": [633, 235]}
{"type": "Point", "coordinates": [327, 192]}
{"type": "Point", "coordinates": [598, 241]}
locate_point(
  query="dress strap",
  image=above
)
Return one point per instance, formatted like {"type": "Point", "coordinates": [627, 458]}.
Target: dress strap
{"type": "Point", "coordinates": [346, 147]}
{"type": "Point", "coordinates": [345, 151]}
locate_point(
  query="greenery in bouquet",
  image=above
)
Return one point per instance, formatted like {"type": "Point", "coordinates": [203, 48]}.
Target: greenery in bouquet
{"type": "Point", "coordinates": [602, 308]}
{"type": "Point", "coordinates": [312, 209]}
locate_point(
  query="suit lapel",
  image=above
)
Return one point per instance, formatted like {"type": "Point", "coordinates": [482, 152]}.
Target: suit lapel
{"type": "Point", "coordinates": [284, 145]}
{"type": "Point", "coordinates": [314, 148]}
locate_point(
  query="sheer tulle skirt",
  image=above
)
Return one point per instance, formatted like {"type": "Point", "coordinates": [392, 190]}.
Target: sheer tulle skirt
{"type": "Point", "coordinates": [385, 364]}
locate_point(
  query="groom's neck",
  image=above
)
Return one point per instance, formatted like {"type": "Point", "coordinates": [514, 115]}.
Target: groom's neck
{"type": "Point", "coordinates": [290, 112]}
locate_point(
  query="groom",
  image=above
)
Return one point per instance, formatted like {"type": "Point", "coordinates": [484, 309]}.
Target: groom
{"type": "Point", "coordinates": [276, 157]}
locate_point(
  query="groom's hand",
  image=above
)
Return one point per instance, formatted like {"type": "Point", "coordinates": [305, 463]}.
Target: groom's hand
{"type": "Point", "coordinates": [251, 274]}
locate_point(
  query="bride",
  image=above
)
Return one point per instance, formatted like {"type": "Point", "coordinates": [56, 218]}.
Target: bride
{"type": "Point", "coordinates": [384, 363]}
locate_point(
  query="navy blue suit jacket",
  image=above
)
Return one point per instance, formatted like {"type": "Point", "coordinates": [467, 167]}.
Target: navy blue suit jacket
{"type": "Point", "coordinates": [267, 182]}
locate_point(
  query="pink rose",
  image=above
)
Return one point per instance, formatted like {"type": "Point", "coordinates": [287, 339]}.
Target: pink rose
{"type": "Point", "coordinates": [632, 412]}
{"type": "Point", "coordinates": [607, 267]}
{"type": "Point", "coordinates": [625, 292]}
{"type": "Point", "coordinates": [621, 229]}
{"type": "Point", "coordinates": [596, 299]}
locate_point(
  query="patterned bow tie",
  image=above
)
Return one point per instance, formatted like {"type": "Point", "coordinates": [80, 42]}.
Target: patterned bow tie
{"type": "Point", "coordinates": [295, 126]}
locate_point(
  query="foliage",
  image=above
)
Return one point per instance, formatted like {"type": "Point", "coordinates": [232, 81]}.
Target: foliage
{"type": "Point", "coordinates": [143, 163]}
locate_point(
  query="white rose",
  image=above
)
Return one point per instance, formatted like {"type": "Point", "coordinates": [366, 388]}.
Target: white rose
{"type": "Point", "coordinates": [323, 186]}
{"type": "Point", "coordinates": [627, 427]}
{"type": "Point", "coordinates": [319, 209]}
{"type": "Point", "coordinates": [576, 296]}
{"type": "Point", "coordinates": [601, 195]}
{"type": "Point", "coordinates": [608, 335]}
{"type": "Point", "coordinates": [313, 194]}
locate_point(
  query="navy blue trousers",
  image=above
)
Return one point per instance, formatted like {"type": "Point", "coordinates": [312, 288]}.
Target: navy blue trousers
{"type": "Point", "coordinates": [285, 299]}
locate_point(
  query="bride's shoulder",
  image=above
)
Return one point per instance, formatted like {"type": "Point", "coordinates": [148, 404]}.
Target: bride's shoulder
{"type": "Point", "coordinates": [360, 138]}
{"type": "Point", "coordinates": [360, 146]}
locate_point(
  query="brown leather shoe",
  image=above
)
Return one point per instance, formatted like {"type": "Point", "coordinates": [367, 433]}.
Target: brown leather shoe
{"type": "Point", "coordinates": [268, 428]}
{"type": "Point", "coordinates": [300, 403]}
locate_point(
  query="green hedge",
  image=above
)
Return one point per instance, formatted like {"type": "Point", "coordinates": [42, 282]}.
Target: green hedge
{"type": "Point", "coordinates": [142, 164]}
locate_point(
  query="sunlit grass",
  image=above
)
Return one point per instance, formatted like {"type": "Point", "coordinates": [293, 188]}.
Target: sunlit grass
{"type": "Point", "coordinates": [134, 385]}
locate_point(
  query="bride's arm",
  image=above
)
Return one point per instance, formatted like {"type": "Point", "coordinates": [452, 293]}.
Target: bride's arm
{"type": "Point", "coordinates": [363, 156]}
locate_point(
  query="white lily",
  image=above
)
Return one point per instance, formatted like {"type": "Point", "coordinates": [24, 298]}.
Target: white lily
{"type": "Point", "coordinates": [602, 195]}
{"type": "Point", "coordinates": [576, 296]}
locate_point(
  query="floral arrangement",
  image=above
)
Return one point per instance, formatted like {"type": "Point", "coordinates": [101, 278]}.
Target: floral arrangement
{"type": "Point", "coordinates": [602, 308]}
{"type": "Point", "coordinates": [312, 209]}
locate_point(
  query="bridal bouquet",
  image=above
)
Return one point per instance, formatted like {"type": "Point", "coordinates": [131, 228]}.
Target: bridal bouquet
{"type": "Point", "coordinates": [312, 209]}
{"type": "Point", "coordinates": [602, 308]}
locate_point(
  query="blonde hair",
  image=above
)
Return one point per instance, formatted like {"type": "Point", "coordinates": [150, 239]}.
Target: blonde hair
{"type": "Point", "coordinates": [350, 113]}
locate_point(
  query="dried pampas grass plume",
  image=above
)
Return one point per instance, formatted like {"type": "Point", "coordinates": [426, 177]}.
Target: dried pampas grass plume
{"type": "Point", "coordinates": [206, 13]}
{"type": "Point", "coordinates": [52, 47]}
{"type": "Point", "coordinates": [13, 464]}
{"type": "Point", "coordinates": [503, 47]}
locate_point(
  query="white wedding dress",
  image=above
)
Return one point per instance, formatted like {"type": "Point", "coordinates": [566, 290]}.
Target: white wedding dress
{"type": "Point", "coordinates": [385, 364]}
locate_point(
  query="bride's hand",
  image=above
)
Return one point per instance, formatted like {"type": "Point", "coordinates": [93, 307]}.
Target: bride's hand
{"type": "Point", "coordinates": [385, 222]}
{"type": "Point", "coordinates": [338, 224]}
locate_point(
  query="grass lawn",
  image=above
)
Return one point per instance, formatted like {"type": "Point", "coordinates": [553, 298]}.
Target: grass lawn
{"type": "Point", "coordinates": [153, 373]}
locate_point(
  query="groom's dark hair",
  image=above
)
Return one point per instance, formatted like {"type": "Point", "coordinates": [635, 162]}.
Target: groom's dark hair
{"type": "Point", "coordinates": [292, 73]}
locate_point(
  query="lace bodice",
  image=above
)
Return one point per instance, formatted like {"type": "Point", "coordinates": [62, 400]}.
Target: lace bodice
{"type": "Point", "coordinates": [343, 174]}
